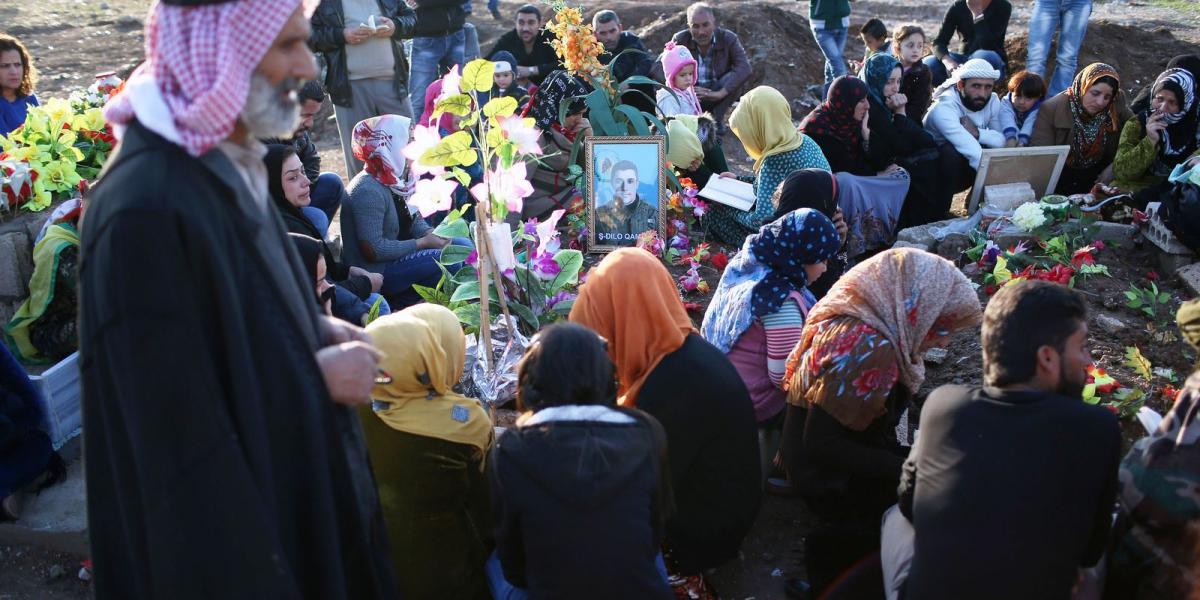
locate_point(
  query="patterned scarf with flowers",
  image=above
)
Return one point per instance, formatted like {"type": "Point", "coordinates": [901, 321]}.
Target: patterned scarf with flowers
{"type": "Point", "coordinates": [871, 331]}
{"type": "Point", "coordinates": [379, 143]}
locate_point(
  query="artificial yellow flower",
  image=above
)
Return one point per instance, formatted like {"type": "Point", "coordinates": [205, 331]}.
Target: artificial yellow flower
{"type": "Point", "coordinates": [41, 198]}
{"type": "Point", "coordinates": [59, 111]}
{"type": "Point", "coordinates": [91, 119]}
{"type": "Point", "coordinates": [59, 176]}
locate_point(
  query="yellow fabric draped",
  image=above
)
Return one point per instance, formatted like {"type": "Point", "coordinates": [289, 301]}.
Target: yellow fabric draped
{"type": "Point", "coordinates": [684, 147]}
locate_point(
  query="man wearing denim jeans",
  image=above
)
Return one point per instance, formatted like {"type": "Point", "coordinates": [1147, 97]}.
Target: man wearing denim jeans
{"type": "Point", "coordinates": [982, 25]}
{"type": "Point", "coordinates": [830, 21]}
{"type": "Point", "coordinates": [1048, 15]}
{"type": "Point", "coordinates": [438, 44]}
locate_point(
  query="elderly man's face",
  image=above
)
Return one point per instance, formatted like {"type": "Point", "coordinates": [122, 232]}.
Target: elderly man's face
{"type": "Point", "coordinates": [702, 26]}
{"type": "Point", "coordinates": [625, 185]}
{"type": "Point", "coordinates": [272, 108]}
{"type": "Point", "coordinates": [608, 34]}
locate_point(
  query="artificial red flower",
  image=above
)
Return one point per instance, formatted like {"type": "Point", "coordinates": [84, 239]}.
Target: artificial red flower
{"type": "Point", "coordinates": [691, 306]}
{"type": "Point", "coordinates": [1152, 275]}
{"type": "Point", "coordinates": [719, 261]}
{"type": "Point", "coordinates": [1140, 217]}
{"type": "Point", "coordinates": [1112, 408]}
{"type": "Point", "coordinates": [1169, 393]}
{"type": "Point", "coordinates": [989, 289]}
{"type": "Point", "coordinates": [1098, 244]}
{"type": "Point", "coordinates": [1083, 256]}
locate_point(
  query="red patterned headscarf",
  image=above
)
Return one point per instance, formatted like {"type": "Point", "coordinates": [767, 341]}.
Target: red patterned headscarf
{"type": "Point", "coordinates": [199, 60]}
{"type": "Point", "coordinates": [379, 143]}
{"type": "Point", "coordinates": [834, 118]}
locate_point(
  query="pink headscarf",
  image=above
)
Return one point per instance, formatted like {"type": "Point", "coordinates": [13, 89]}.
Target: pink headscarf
{"type": "Point", "coordinates": [196, 77]}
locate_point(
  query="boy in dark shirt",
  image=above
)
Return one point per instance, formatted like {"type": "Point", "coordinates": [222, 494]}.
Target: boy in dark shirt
{"type": "Point", "coordinates": [1009, 488]}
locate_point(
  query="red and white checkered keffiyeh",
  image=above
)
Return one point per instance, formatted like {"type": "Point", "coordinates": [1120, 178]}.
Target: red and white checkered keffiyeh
{"type": "Point", "coordinates": [199, 60]}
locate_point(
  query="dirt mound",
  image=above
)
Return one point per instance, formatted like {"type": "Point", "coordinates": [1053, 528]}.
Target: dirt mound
{"type": "Point", "coordinates": [1138, 54]}
{"type": "Point", "coordinates": [781, 48]}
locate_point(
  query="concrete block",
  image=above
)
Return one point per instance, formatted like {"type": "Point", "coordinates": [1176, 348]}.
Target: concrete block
{"type": "Point", "coordinates": [1171, 263]}
{"type": "Point", "coordinates": [7, 310]}
{"type": "Point", "coordinates": [1160, 235]}
{"type": "Point", "coordinates": [916, 237]}
{"type": "Point", "coordinates": [34, 226]}
{"type": "Point", "coordinates": [1190, 277]}
{"type": "Point", "coordinates": [24, 248]}
{"type": "Point", "coordinates": [13, 286]}
{"type": "Point", "coordinates": [1114, 232]}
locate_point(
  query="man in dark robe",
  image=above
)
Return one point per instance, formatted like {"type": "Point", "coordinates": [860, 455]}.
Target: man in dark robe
{"type": "Point", "coordinates": [223, 460]}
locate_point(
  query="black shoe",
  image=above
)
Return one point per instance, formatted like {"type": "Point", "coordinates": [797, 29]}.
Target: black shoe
{"type": "Point", "coordinates": [794, 587]}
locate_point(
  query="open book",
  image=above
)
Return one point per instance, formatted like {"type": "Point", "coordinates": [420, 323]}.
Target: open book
{"type": "Point", "coordinates": [730, 192]}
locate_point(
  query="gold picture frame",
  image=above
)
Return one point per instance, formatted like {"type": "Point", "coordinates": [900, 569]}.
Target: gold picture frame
{"type": "Point", "coordinates": [631, 157]}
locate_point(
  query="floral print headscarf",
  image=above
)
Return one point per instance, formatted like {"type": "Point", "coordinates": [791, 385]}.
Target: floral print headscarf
{"type": "Point", "coordinates": [871, 330]}
{"type": "Point", "coordinates": [834, 118]}
{"type": "Point", "coordinates": [1089, 134]}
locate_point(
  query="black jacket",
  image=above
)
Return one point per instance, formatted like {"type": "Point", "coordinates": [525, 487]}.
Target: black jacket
{"type": "Point", "coordinates": [328, 23]}
{"type": "Point", "coordinates": [542, 57]}
{"type": "Point", "coordinates": [986, 34]}
{"type": "Point", "coordinates": [437, 18]}
{"type": "Point", "coordinates": [580, 507]}
{"type": "Point", "coordinates": [218, 466]}
{"type": "Point", "coordinates": [630, 64]}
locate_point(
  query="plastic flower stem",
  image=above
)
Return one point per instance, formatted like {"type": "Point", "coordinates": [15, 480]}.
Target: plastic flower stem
{"type": "Point", "coordinates": [481, 249]}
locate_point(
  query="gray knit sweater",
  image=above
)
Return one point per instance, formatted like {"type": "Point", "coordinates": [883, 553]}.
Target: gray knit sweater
{"type": "Point", "coordinates": [369, 220]}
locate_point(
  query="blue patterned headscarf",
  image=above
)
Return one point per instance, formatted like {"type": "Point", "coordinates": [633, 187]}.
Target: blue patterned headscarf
{"type": "Point", "coordinates": [768, 269]}
{"type": "Point", "coordinates": [876, 72]}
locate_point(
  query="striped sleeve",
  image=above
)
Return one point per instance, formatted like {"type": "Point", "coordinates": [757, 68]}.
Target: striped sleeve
{"type": "Point", "coordinates": [782, 329]}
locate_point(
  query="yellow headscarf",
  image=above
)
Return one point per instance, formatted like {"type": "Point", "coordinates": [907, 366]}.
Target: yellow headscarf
{"type": "Point", "coordinates": [424, 350]}
{"type": "Point", "coordinates": [1188, 318]}
{"type": "Point", "coordinates": [763, 123]}
{"type": "Point", "coordinates": [684, 146]}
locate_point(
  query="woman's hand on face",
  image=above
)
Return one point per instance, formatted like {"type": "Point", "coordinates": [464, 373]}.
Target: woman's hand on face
{"type": "Point", "coordinates": [839, 223]}
{"type": "Point", "coordinates": [866, 129]}
{"type": "Point", "coordinates": [1155, 127]}
{"type": "Point", "coordinates": [896, 102]}
{"type": "Point", "coordinates": [581, 126]}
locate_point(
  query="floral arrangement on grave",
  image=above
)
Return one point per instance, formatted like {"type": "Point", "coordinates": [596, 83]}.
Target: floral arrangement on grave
{"type": "Point", "coordinates": [525, 272]}
{"type": "Point", "coordinates": [61, 143]}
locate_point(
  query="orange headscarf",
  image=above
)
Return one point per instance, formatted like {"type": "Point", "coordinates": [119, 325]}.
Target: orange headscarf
{"type": "Point", "coordinates": [631, 301]}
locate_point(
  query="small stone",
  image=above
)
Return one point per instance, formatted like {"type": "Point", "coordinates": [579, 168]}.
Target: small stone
{"type": "Point", "coordinates": [917, 237]}
{"type": "Point", "coordinates": [1109, 324]}
{"type": "Point", "coordinates": [953, 245]}
{"type": "Point", "coordinates": [936, 356]}
{"type": "Point", "coordinates": [128, 21]}
{"type": "Point", "coordinates": [57, 572]}
{"type": "Point", "coordinates": [1190, 276]}
{"type": "Point", "coordinates": [103, 6]}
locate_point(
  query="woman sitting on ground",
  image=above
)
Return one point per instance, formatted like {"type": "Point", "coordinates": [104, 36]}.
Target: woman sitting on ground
{"type": "Point", "coordinates": [898, 139]}
{"type": "Point", "coordinates": [18, 78]}
{"type": "Point", "coordinates": [355, 289]}
{"type": "Point", "coordinates": [694, 148]}
{"type": "Point", "coordinates": [872, 195]}
{"type": "Point", "coordinates": [758, 310]}
{"type": "Point", "coordinates": [44, 329]}
{"type": "Point", "coordinates": [1162, 135]}
{"type": "Point", "coordinates": [859, 360]}
{"type": "Point", "coordinates": [762, 121]}
{"type": "Point", "coordinates": [666, 369]}
{"type": "Point", "coordinates": [311, 251]}
{"type": "Point", "coordinates": [549, 173]}
{"type": "Point", "coordinates": [28, 462]}
{"type": "Point", "coordinates": [580, 486]}
{"type": "Point", "coordinates": [916, 82]}
{"type": "Point", "coordinates": [428, 446]}
{"type": "Point", "coordinates": [379, 234]}
{"type": "Point", "coordinates": [1088, 116]}
{"type": "Point", "coordinates": [818, 190]}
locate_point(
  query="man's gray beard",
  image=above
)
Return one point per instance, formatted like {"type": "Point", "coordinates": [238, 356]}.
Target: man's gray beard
{"type": "Point", "coordinates": [266, 115]}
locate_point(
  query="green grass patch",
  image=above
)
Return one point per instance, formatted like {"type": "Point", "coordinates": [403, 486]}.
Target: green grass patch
{"type": "Point", "coordinates": [1187, 7]}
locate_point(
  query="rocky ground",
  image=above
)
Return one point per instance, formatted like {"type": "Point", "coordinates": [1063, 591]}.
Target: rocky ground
{"type": "Point", "coordinates": [73, 40]}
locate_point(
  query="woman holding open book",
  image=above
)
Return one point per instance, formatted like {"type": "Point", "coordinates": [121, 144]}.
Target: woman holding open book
{"type": "Point", "coordinates": [762, 121]}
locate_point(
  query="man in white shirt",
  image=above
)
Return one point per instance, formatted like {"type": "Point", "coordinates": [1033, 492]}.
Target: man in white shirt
{"type": "Point", "coordinates": [968, 115]}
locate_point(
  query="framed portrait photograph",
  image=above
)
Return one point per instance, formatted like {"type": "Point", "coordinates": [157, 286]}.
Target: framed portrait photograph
{"type": "Point", "coordinates": [1038, 165]}
{"type": "Point", "coordinates": [625, 190]}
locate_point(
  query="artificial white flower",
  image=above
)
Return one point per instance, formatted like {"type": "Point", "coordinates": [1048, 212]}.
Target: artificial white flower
{"type": "Point", "coordinates": [1029, 216]}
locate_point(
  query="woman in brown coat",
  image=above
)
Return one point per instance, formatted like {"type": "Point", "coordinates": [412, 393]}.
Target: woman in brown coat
{"type": "Point", "coordinates": [1088, 116]}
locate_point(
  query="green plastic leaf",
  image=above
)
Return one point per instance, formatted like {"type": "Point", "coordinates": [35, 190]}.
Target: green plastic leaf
{"type": "Point", "coordinates": [458, 105]}
{"type": "Point", "coordinates": [1139, 363]}
{"type": "Point", "coordinates": [431, 295]}
{"type": "Point", "coordinates": [640, 80]}
{"type": "Point", "coordinates": [1131, 295]}
{"type": "Point", "coordinates": [453, 151]}
{"type": "Point", "coordinates": [636, 119]}
{"type": "Point", "coordinates": [600, 114]}
{"type": "Point", "coordinates": [466, 292]}
{"type": "Point", "coordinates": [463, 177]}
{"type": "Point", "coordinates": [525, 314]}
{"type": "Point", "coordinates": [500, 107]}
{"type": "Point", "coordinates": [1089, 394]}
{"type": "Point", "coordinates": [569, 262]}
{"type": "Point", "coordinates": [470, 121]}
{"type": "Point", "coordinates": [374, 312]}
{"type": "Point", "coordinates": [454, 226]}
{"type": "Point", "coordinates": [478, 75]}
{"type": "Point", "coordinates": [1164, 298]}
{"type": "Point", "coordinates": [454, 254]}
{"type": "Point", "coordinates": [469, 316]}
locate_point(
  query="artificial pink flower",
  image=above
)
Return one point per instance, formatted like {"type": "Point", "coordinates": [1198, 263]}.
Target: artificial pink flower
{"type": "Point", "coordinates": [522, 134]}
{"type": "Point", "coordinates": [433, 195]}
{"type": "Point", "coordinates": [451, 84]}
{"type": "Point", "coordinates": [423, 138]}
{"type": "Point", "coordinates": [544, 267]}
{"type": "Point", "coordinates": [547, 234]}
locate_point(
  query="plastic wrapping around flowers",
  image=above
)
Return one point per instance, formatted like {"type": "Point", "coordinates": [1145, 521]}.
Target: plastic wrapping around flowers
{"type": "Point", "coordinates": [496, 386]}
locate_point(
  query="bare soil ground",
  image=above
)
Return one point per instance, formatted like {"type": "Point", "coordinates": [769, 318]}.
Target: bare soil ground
{"type": "Point", "coordinates": [74, 39]}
